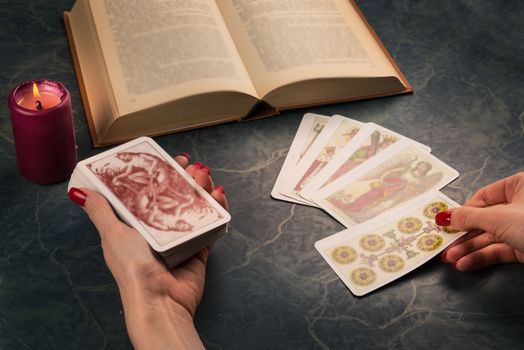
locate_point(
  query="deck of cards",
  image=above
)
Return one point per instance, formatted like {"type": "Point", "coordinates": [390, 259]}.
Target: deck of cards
{"type": "Point", "coordinates": [384, 187]}
{"type": "Point", "coordinates": [150, 192]}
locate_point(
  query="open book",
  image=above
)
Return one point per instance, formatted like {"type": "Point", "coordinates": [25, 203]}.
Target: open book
{"type": "Point", "coordinates": [159, 66]}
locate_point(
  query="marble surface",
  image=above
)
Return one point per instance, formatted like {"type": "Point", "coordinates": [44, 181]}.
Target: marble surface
{"type": "Point", "coordinates": [267, 287]}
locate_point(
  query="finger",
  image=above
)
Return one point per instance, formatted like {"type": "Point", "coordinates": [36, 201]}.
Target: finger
{"type": "Point", "coordinates": [473, 243]}
{"type": "Point", "coordinates": [498, 192]}
{"type": "Point", "coordinates": [467, 236]}
{"type": "Point", "coordinates": [203, 255]}
{"type": "Point", "coordinates": [220, 196]}
{"type": "Point", "coordinates": [194, 265]}
{"type": "Point", "coordinates": [202, 175]}
{"type": "Point", "coordinates": [193, 168]}
{"type": "Point", "coordinates": [492, 254]}
{"type": "Point", "coordinates": [203, 178]}
{"type": "Point", "coordinates": [470, 218]}
{"type": "Point", "coordinates": [101, 213]}
{"type": "Point", "coordinates": [183, 159]}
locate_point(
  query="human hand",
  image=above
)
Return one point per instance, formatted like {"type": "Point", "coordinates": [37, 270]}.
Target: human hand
{"type": "Point", "coordinates": [495, 217]}
{"type": "Point", "coordinates": [159, 304]}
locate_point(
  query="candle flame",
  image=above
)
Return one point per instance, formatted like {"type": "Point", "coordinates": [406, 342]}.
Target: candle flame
{"type": "Point", "coordinates": [36, 93]}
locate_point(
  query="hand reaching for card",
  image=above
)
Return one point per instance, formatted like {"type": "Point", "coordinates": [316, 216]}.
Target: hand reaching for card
{"type": "Point", "coordinates": [495, 214]}
{"type": "Point", "coordinates": [159, 304]}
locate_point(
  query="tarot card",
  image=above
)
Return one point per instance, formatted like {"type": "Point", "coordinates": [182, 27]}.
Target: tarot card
{"type": "Point", "coordinates": [371, 140]}
{"type": "Point", "coordinates": [402, 173]}
{"type": "Point", "coordinates": [338, 132]}
{"type": "Point", "coordinates": [373, 254]}
{"type": "Point", "coordinates": [151, 193]}
{"type": "Point", "coordinates": [309, 130]}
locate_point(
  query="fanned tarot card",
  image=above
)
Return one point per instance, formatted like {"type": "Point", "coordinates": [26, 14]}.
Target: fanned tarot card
{"type": "Point", "coordinates": [371, 140]}
{"type": "Point", "coordinates": [337, 133]}
{"type": "Point", "coordinates": [308, 132]}
{"type": "Point", "coordinates": [375, 253]}
{"type": "Point", "coordinates": [152, 193]}
{"type": "Point", "coordinates": [402, 173]}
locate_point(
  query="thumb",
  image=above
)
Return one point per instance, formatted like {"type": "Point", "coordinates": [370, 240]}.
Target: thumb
{"type": "Point", "coordinates": [101, 213]}
{"type": "Point", "coordinates": [470, 218]}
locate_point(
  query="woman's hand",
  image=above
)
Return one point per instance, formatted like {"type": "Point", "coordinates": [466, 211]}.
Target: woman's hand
{"type": "Point", "coordinates": [159, 304]}
{"type": "Point", "coordinates": [495, 217]}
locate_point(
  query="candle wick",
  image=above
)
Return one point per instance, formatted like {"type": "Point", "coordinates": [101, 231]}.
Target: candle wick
{"type": "Point", "coordinates": [39, 105]}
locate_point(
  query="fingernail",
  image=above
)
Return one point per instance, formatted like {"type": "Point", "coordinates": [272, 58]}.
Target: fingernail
{"type": "Point", "coordinates": [77, 196]}
{"type": "Point", "coordinates": [198, 165]}
{"type": "Point", "coordinates": [184, 154]}
{"type": "Point", "coordinates": [204, 167]}
{"type": "Point", "coordinates": [443, 257]}
{"type": "Point", "coordinates": [220, 188]}
{"type": "Point", "coordinates": [443, 218]}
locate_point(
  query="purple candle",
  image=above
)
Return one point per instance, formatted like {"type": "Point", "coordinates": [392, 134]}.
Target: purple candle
{"type": "Point", "coordinates": [43, 131]}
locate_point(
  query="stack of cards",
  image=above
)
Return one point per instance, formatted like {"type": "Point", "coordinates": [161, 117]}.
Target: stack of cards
{"type": "Point", "coordinates": [151, 193]}
{"type": "Point", "coordinates": [365, 175]}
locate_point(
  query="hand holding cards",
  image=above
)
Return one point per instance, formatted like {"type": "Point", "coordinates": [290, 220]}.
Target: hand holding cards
{"type": "Point", "coordinates": [150, 192]}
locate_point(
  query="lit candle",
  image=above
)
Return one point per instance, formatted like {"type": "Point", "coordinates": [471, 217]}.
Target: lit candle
{"type": "Point", "coordinates": [43, 131]}
{"type": "Point", "coordinates": [38, 101]}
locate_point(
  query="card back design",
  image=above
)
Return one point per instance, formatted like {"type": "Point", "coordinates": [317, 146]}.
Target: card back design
{"type": "Point", "coordinates": [158, 196]}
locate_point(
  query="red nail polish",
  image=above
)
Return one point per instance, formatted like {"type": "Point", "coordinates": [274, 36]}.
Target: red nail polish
{"type": "Point", "coordinates": [77, 196]}
{"type": "Point", "coordinates": [443, 257]}
{"type": "Point", "coordinates": [184, 154]}
{"type": "Point", "coordinates": [220, 188]}
{"type": "Point", "coordinates": [204, 167]}
{"type": "Point", "coordinates": [198, 165]}
{"type": "Point", "coordinates": [443, 218]}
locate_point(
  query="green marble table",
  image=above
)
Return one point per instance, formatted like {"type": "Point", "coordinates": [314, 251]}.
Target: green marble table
{"type": "Point", "coordinates": [267, 287]}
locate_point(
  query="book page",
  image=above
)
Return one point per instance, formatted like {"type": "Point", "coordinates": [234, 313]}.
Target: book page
{"type": "Point", "coordinates": [158, 51]}
{"type": "Point", "coordinates": [285, 41]}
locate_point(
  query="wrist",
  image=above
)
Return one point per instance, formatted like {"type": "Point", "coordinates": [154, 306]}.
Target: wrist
{"type": "Point", "coordinates": [156, 321]}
